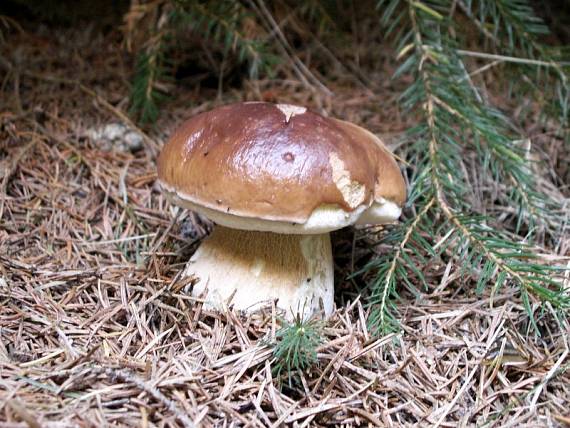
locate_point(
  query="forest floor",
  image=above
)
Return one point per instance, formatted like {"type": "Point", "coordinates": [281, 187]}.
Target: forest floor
{"type": "Point", "coordinates": [95, 329]}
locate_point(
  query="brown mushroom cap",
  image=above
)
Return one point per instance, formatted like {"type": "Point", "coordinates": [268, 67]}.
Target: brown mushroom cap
{"type": "Point", "coordinates": [277, 163]}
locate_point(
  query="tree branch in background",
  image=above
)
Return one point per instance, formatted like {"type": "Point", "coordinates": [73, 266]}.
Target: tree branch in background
{"type": "Point", "coordinates": [455, 121]}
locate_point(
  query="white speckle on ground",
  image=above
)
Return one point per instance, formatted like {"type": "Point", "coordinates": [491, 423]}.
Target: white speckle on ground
{"type": "Point", "coordinates": [116, 136]}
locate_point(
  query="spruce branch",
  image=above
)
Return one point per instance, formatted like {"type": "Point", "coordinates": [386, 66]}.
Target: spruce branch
{"type": "Point", "coordinates": [515, 29]}
{"type": "Point", "coordinates": [229, 27]}
{"type": "Point", "coordinates": [471, 230]}
{"type": "Point", "coordinates": [151, 67]}
{"type": "Point", "coordinates": [455, 120]}
{"type": "Point", "coordinates": [295, 347]}
{"type": "Point", "coordinates": [382, 317]}
{"type": "Point", "coordinates": [223, 22]}
{"type": "Point", "coordinates": [145, 94]}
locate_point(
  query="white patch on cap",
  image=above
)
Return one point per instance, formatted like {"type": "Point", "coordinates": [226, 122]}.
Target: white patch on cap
{"type": "Point", "coordinates": [380, 212]}
{"type": "Point", "coordinates": [353, 192]}
{"type": "Point", "coordinates": [290, 110]}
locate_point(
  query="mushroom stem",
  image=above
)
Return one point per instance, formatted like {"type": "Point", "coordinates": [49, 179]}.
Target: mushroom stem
{"type": "Point", "coordinates": [246, 268]}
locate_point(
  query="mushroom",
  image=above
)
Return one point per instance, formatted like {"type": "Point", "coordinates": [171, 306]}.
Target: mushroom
{"type": "Point", "coordinates": [276, 179]}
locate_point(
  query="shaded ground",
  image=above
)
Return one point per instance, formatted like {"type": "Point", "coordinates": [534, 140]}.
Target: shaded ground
{"type": "Point", "coordinates": [94, 328]}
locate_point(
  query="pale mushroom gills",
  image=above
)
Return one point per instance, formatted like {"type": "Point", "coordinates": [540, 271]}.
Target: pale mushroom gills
{"type": "Point", "coordinates": [276, 179]}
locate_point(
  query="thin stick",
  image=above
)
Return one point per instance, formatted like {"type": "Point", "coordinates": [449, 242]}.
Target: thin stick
{"type": "Point", "coordinates": [288, 50]}
{"type": "Point", "coordinates": [513, 59]}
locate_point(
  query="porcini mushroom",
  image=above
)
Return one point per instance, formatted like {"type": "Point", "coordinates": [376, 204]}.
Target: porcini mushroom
{"type": "Point", "coordinates": [276, 179]}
